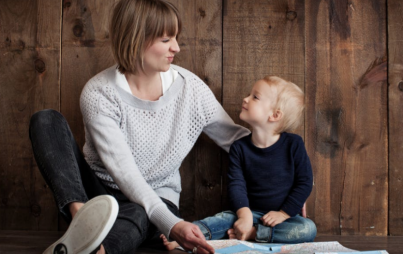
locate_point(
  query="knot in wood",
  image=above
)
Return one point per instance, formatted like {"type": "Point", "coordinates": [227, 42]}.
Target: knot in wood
{"type": "Point", "coordinates": [40, 66]}
{"type": "Point", "coordinates": [67, 4]}
{"type": "Point", "coordinates": [36, 210]}
{"type": "Point", "coordinates": [210, 186]}
{"type": "Point", "coordinates": [8, 42]}
{"type": "Point", "coordinates": [400, 86]}
{"type": "Point", "coordinates": [78, 29]}
{"type": "Point", "coordinates": [291, 15]}
{"type": "Point", "coordinates": [202, 12]}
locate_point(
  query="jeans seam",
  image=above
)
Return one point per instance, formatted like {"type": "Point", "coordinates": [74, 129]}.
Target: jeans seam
{"type": "Point", "coordinates": [72, 156]}
{"type": "Point", "coordinates": [209, 231]}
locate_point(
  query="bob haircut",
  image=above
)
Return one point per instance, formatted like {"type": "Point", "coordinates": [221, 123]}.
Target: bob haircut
{"type": "Point", "coordinates": [134, 26]}
{"type": "Point", "coordinates": [290, 101]}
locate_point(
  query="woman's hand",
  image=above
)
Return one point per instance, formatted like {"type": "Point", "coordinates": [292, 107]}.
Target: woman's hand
{"type": "Point", "coordinates": [273, 218]}
{"type": "Point", "coordinates": [189, 236]}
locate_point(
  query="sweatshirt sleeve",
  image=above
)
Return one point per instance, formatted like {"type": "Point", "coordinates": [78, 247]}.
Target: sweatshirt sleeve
{"type": "Point", "coordinates": [219, 125]}
{"type": "Point", "coordinates": [303, 180]}
{"type": "Point", "coordinates": [237, 190]}
{"type": "Point", "coordinates": [101, 114]}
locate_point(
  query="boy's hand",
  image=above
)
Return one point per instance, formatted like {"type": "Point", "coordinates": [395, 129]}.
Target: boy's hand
{"type": "Point", "coordinates": [243, 226]}
{"type": "Point", "coordinates": [303, 211]}
{"type": "Point", "coordinates": [273, 218]}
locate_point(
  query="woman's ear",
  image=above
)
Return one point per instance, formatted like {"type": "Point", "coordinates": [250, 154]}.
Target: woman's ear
{"type": "Point", "coordinates": [276, 116]}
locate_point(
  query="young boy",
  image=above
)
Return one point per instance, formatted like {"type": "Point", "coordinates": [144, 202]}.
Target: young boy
{"type": "Point", "coordinates": [270, 175]}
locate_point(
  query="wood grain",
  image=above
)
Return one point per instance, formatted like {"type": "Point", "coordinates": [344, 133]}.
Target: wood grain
{"type": "Point", "coordinates": [201, 52]}
{"type": "Point", "coordinates": [85, 52]}
{"type": "Point", "coordinates": [346, 116]}
{"type": "Point", "coordinates": [29, 74]}
{"type": "Point", "coordinates": [395, 49]}
{"type": "Point", "coordinates": [260, 38]}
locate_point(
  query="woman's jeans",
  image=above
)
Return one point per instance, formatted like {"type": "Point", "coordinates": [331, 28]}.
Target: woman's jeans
{"type": "Point", "coordinates": [296, 229]}
{"type": "Point", "coordinates": [71, 180]}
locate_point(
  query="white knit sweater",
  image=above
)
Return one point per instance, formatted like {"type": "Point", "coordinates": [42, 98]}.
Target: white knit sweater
{"type": "Point", "coordinates": [137, 146]}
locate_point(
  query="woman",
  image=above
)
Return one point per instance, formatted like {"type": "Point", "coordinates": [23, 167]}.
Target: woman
{"type": "Point", "coordinates": [141, 119]}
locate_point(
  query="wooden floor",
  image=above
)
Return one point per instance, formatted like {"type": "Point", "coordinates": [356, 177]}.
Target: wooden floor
{"type": "Point", "coordinates": [24, 242]}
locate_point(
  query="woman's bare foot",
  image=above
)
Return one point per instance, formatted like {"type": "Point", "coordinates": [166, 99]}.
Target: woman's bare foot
{"type": "Point", "coordinates": [101, 250]}
{"type": "Point", "coordinates": [250, 236]}
{"type": "Point", "coordinates": [169, 245]}
{"type": "Point", "coordinates": [74, 207]}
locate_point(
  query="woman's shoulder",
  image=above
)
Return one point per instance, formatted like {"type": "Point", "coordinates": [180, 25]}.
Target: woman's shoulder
{"type": "Point", "coordinates": [100, 87]}
{"type": "Point", "coordinates": [104, 77]}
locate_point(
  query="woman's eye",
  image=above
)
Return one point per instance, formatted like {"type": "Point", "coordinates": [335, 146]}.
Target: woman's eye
{"type": "Point", "coordinates": [165, 40]}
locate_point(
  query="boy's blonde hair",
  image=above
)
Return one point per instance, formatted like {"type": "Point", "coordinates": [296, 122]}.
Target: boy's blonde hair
{"type": "Point", "coordinates": [134, 26]}
{"type": "Point", "coordinates": [290, 101]}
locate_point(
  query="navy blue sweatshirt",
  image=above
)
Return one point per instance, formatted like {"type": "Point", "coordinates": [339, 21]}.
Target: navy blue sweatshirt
{"type": "Point", "coordinates": [275, 178]}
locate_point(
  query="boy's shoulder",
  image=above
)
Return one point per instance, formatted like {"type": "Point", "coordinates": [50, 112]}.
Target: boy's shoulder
{"type": "Point", "coordinates": [292, 137]}
{"type": "Point", "coordinates": [240, 143]}
{"type": "Point", "coordinates": [243, 140]}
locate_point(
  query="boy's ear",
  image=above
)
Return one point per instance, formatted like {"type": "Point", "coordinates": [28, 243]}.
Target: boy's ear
{"type": "Point", "coordinates": [276, 116]}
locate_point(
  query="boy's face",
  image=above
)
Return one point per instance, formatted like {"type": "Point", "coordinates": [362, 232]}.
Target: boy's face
{"type": "Point", "coordinates": [257, 107]}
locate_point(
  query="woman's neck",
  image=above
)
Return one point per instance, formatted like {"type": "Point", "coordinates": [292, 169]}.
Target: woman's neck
{"type": "Point", "coordinates": [264, 138]}
{"type": "Point", "coordinates": [145, 86]}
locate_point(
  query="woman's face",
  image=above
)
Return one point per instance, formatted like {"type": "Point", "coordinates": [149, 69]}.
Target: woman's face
{"type": "Point", "coordinates": [159, 56]}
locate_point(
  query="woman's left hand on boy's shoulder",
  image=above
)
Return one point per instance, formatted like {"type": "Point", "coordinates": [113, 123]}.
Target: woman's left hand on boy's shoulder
{"type": "Point", "coordinates": [273, 218]}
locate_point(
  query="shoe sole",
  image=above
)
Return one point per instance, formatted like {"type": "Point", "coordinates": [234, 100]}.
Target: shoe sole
{"type": "Point", "coordinates": [89, 227]}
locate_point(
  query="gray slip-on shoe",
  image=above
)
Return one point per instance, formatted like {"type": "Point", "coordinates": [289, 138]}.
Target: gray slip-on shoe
{"type": "Point", "coordinates": [88, 228]}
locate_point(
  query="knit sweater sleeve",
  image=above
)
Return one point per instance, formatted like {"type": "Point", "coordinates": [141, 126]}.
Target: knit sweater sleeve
{"type": "Point", "coordinates": [219, 125]}
{"type": "Point", "coordinates": [102, 113]}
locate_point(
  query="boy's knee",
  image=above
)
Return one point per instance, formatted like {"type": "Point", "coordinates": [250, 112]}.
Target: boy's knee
{"type": "Point", "coordinates": [308, 230]}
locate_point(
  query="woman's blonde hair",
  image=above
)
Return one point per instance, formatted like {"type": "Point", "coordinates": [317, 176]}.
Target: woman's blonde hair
{"type": "Point", "coordinates": [134, 26]}
{"type": "Point", "coordinates": [290, 101]}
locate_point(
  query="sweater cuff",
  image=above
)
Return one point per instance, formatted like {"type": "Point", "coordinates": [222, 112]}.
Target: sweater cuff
{"type": "Point", "coordinates": [164, 219]}
{"type": "Point", "coordinates": [290, 211]}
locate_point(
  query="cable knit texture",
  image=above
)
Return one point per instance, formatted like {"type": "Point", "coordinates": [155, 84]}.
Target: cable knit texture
{"type": "Point", "coordinates": [137, 146]}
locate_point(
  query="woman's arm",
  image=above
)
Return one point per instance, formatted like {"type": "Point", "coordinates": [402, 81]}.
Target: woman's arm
{"type": "Point", "coordinates": [223, 130]}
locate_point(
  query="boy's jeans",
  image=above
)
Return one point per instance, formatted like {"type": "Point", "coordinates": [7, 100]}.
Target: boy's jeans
{"type": "Point", "coordinates": [296, 229]}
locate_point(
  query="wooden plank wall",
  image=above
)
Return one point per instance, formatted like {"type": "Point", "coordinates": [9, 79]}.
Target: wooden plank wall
{"type": "Point", "coordinates": [30, 81]}
{"type": "Point", "coordinates": [395, 48]}
{"type": "Point", "coordinates": [337, 51]}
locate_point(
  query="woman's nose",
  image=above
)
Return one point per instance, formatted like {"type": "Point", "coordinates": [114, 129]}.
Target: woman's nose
{"type": "Point", "coordinates": [175, 46]}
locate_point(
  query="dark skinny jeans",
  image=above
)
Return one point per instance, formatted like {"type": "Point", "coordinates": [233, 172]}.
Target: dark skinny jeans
{"type": "Point", "coordinates": [71, 179]}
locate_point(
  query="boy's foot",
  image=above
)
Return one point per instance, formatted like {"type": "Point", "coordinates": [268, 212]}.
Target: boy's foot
{"type": "Point", "coordinates": [169, 245]}
{"type": "Point", "coordinates": [251, 235]}
{"type": "Point", "coordinates": [88, 228]}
